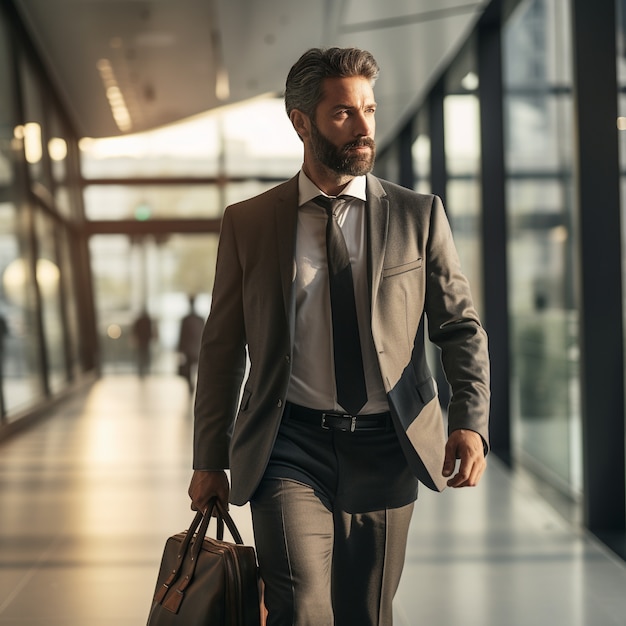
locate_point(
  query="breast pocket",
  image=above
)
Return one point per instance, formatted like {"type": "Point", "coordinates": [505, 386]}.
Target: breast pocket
{"type": "Point", "coordinates": [401, 269]}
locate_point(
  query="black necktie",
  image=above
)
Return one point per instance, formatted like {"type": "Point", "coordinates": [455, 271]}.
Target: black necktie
{"type": "Point", "coordinates": [349, 375]}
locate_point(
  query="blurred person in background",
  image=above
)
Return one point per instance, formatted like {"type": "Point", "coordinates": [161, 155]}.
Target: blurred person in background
{"type": "Point", "coordinates": [144, 332]}
{"type": "Point", "coordinates": [189, 343]}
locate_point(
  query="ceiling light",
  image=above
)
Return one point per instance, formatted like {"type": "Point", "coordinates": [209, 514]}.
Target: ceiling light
{"type": "Point", "coordinates": [470, 81]}
{"type": "Point", "coordinates": [114, 95]}
{"type": "Point", "coordinates": [57, 148]}
{"type": "Point", "coordinates": [16, 279]}
{"type": "Point", "coordinates": [222, 85]}
{"type": "Point", "coordinates": [32, 142]}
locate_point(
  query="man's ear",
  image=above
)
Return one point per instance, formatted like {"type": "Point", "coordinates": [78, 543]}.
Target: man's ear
{"type": "Point", "coordinates": [300, 122]}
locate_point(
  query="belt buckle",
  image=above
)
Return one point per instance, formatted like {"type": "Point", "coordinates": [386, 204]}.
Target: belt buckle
{"type": "Point", "coordinates": [352, 418]}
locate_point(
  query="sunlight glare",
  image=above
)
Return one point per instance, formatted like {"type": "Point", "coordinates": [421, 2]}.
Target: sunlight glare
{"type": "Point", "coordinates": [260, 124]}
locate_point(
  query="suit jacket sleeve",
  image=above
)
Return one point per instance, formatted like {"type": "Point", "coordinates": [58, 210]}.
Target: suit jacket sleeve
{"type": "Point", "coordinates": [222, 362]}
{"type": "Point", "coordinates": [454, 326]}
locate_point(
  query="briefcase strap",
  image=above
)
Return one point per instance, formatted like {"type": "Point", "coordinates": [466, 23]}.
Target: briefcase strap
{"type": "Point", "coordinates": [192, 544]}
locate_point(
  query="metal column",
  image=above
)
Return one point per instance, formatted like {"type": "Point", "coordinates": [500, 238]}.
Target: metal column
{"type": "Point", "coordinates": [494, 234]}
{"type": "Point", "coordinates": [600, 258]}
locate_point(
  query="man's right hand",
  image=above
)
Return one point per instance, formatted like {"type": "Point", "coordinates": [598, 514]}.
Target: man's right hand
{"type": "Point", "coordinates": [207, 484]}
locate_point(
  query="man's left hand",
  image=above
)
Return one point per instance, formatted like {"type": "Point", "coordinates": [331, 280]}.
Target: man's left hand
{"type": "Point", "coordinates": [467, 446]}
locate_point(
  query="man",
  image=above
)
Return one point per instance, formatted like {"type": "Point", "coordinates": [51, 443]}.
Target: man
{"type": "Point", "coordinates": [332, 482]}
{"type": "Point", "coordinates": [191, 327]}
{"type": "Point", "coordinates": [144, 332]}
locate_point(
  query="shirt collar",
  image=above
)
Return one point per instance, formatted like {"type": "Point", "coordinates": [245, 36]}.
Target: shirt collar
{"type": "Point", "coordinates": [307, 189]}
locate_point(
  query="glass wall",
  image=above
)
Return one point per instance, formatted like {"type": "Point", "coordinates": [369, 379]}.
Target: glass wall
{"type": "Point", "coordinates": [420, 152]}
{"type": "Point", "coordinates": [20, 379]}
{"type": "Point", "coordinates": [193, 170]}
{"type": "Point", "coordinates": [231, 141]}
{"type": "Point", "coordinates": [461, 110]}
{"type": "Point", "coordinates": [145, 202]}
{"type": "Point", "coordinates": [39, 203]}
{"type": "Point", "coordinates": [138, 276]}
{"type": "Point", "coordinates": [48, 276]}
{"type": "Point", "coordinates": [541, 240]}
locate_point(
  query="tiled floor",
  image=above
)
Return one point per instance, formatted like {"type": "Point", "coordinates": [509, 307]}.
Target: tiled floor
{"type": "Point", "coordinates": [88, 497]}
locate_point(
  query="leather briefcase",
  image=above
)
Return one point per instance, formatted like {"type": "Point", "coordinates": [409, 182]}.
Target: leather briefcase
{"type": "Point", "coordinates": [204, 581]}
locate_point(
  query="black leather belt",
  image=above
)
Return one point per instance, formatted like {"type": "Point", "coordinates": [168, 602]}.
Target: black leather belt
{"type": "Point", "coordinates": [329, 420]}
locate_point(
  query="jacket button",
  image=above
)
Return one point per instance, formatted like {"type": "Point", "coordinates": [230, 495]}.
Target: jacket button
{"type": "Point", "coordinates": [279, 403]}
{"type": "Point", "coordinates": [287, 358]}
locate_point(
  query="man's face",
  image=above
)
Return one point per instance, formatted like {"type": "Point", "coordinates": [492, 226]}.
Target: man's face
{"type": "Point", "coordinates": [342, 133]}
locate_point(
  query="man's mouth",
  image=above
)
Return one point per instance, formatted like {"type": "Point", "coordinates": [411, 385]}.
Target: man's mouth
{"type": "Point", "coordinates": [363, 143]}
{"type": "Point", "coordinates": [359, 146]}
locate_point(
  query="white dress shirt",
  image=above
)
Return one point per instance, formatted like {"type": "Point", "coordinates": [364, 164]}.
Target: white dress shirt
{"type": "Point", "coordinates": [312, 381]}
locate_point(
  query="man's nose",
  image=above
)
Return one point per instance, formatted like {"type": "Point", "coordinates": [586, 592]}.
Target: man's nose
{"type": "Point", "coordinates": [364, 125]}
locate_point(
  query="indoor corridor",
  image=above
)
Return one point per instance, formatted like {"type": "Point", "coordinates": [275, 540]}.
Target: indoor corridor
{"type": "Point", "coordinates": [89, 495]}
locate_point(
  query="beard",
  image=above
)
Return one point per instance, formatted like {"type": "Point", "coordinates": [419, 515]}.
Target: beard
{"type": "Point", "coordinates": [339, 159]}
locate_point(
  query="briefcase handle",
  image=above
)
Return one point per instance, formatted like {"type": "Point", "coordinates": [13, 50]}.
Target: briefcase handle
{"type": "Point", "coordinates": [222, 516]}
{"type": "Point", "coordinates": [192, 543]}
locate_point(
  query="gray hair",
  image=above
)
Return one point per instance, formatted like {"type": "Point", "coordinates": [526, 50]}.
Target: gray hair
{"type": "Point", "coordinates": [303, 89]}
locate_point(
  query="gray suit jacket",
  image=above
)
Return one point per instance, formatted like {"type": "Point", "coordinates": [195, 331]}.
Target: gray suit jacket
{"type": "Point", "coordinates": [414, 272]}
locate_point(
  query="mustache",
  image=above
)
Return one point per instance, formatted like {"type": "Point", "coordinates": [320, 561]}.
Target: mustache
{"type": "Point", "coordinates": [360, 143]}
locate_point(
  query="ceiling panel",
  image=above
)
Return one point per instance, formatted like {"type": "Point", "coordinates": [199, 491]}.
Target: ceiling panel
{"type": "Point", "coordinates": [161, 54]}
{"type": "Point", "coordinates": [355, 12]}
{"type": "Point", "coordinates": [166, 54]}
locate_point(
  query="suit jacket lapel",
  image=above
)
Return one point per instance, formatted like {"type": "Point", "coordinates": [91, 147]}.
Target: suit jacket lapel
{"type": "Point", "coordinates": [377, 208]}
{"type": "Point", "coordinates": [286, 220]}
